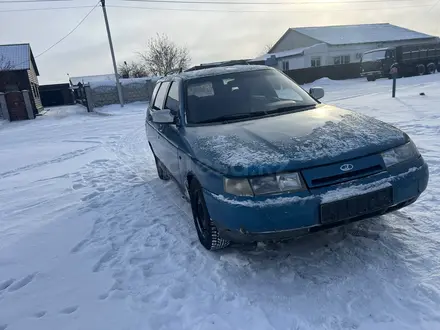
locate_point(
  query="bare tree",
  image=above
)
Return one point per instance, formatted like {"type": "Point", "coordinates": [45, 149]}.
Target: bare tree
{"type": "Point", "coordinates": [133, 70]}
{"type": "Point", "coordinates": [266, 49]}
{"type": "Point", "coordinates": [5, 64]}
{"type": "Point", "coordinates": [163, 55]}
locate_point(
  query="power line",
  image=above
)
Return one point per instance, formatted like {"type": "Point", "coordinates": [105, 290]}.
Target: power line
{"type": "Point", "coordinates": [260, 11]}
{"type": "Point", "coordinates": [41, 9]}
{"type": "Point", "coordinates": [184, 2]}
{"type": "Point", "coordinates": [68, 34]}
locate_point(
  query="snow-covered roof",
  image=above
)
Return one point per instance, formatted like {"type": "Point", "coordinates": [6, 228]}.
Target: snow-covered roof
{"type": "Point", "coordinates": [363, 33]}
{"type": "Point", "coordinates": [89, 79]}
{"type": "Point", "coordinates": [286, 53]}
{"type": "Point", "coordinates": [16, 57]}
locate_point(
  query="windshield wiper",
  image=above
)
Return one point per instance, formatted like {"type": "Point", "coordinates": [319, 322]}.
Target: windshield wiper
{"type": "Point", "coordinates": [292, 108]}
{"type": "Point", "coordinates": [236, 116]}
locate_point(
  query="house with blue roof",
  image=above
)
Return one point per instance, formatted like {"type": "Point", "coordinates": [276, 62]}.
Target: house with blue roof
{"type": "Point", "coordinates": [19, 71]}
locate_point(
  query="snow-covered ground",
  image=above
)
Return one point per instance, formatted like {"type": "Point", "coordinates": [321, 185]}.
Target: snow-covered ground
{"type": "Point", "coordinates": [90, 238]}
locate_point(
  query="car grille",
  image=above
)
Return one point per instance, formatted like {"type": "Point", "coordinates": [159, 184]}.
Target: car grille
{"type": "Point", "coordinates": [334, 173]}
{"type": "Point", "coordinates": [346, 176]}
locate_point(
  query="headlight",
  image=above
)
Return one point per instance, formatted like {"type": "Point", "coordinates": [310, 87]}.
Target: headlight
{"type": "Point", "coordinates": [276, 183]}
{"type": "Point", "coordinates": [400, 154]}
{"type": "Point", "coordinates": [272, 184]}
{"type": "Point", "coordinates": [239, 187]}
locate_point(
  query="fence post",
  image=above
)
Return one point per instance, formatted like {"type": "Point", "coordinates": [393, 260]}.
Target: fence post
{"type": "Point", "coordinates": [27, 102]}
{"type": "Point", "coordinates": [89, 98]}
{"type": "Point", "coordinates": [4, 107]}
{"type": "Point", "coordinates": [394, 72]}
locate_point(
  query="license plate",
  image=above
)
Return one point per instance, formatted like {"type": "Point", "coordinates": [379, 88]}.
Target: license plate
{"type": "Point", "coordinates": [357, 206]}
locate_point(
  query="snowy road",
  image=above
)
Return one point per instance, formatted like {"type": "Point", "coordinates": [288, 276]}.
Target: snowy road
{"type": "Point", "coordinates": [91, 239]}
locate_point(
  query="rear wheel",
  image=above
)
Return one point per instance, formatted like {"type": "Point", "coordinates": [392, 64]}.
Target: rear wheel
{"type": "Point", "coordinates": [421, 69]}
{"type": "Point", "coordinates": [371, 78]}
{"type": "Point", "coordinates": [206, 230]}
{"type": "Point", "coordinates": [431, 68]}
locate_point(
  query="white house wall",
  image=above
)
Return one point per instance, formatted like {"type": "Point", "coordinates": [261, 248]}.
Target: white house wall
{"type": "Point", "coordinates": [295, 62]}
{"type": "Point", "coordinates": [328, 52]}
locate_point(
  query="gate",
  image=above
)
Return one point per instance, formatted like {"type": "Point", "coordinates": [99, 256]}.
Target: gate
{"type": "Point", "coordinates": [16, 106]}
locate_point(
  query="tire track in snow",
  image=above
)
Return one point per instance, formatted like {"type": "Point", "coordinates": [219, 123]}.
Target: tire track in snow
{"type": "Point", "coordinates": [56, 160]}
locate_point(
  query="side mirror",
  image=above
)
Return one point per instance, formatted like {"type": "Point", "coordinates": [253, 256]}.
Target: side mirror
{"type": "Point", "coordinates": [164, 116]}
{"type": "Point", "coordinates": [317, 92]}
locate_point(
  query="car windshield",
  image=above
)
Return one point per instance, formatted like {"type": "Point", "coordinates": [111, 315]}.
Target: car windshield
{"type": "Point", "coordinates": [243, 95]}
{"type": "Point", "coordinates": [373, 56]}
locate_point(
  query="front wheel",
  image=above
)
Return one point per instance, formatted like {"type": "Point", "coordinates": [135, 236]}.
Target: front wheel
{"type": "Point", "coordinates": [206, 229]}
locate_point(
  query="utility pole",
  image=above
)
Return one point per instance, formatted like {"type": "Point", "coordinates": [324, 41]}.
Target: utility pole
{"type": "Point", "coordinates": [115, 68]}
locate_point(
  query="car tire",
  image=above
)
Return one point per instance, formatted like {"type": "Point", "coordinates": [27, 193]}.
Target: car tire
{"type": "Point", "coordinates": [207, 231]}
{"type": "Point", "coordinates": [162, 172]}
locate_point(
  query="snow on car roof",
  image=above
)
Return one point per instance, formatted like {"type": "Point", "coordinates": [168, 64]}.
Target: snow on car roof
{"type": "Point", "coordinates": [220, 70]}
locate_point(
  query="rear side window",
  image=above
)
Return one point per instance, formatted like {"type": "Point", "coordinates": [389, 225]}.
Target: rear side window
{"type": "Point", "coordinates": [172, 102]}
{"type": "Point", "coordinates": [160, 97]}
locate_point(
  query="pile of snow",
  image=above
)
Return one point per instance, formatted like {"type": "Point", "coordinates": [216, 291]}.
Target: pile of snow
{"type": "Point", "coordinates": [117, 110]}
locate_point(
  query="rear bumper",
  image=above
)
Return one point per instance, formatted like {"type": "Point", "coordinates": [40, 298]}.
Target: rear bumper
{"type": "Point", "coordinates": [287, 216]}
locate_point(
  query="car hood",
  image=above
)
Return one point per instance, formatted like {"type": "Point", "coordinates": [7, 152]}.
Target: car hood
{"type": "Point", "coordinates": [293, 141]}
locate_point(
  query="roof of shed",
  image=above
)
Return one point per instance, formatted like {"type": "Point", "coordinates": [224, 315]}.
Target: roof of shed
{"type": "Point", "coordinates": [17, 57]}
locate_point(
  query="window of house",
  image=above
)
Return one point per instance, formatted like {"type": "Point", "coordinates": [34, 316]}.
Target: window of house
{"type": "Point", "coordinates": [316, 61]}
{"type": "Point", "coordinates": [285, 65]}
{"type": "Point", "coordinates": [343, 59]}
{"type": "Point", "coordinates": [160, 97]}
{"type": "Point", "coordinates": [172, 102]}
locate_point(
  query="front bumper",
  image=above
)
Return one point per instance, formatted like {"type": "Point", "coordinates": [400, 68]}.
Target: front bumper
{"type": "Point", "coordinates": [246, 219]}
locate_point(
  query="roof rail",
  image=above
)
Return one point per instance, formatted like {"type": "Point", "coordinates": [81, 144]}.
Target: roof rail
{"type": "Point", "coordinates": [174, 71]}
{"type": "Point", "coordinates": [218, 64]}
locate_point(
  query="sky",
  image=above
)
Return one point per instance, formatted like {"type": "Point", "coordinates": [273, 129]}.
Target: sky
{"type": "Point", "coordinates": [212, 32]}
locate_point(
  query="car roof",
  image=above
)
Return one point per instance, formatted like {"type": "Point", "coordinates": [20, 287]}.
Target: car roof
{"type": "Point", "coordinates": [188, 75]}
